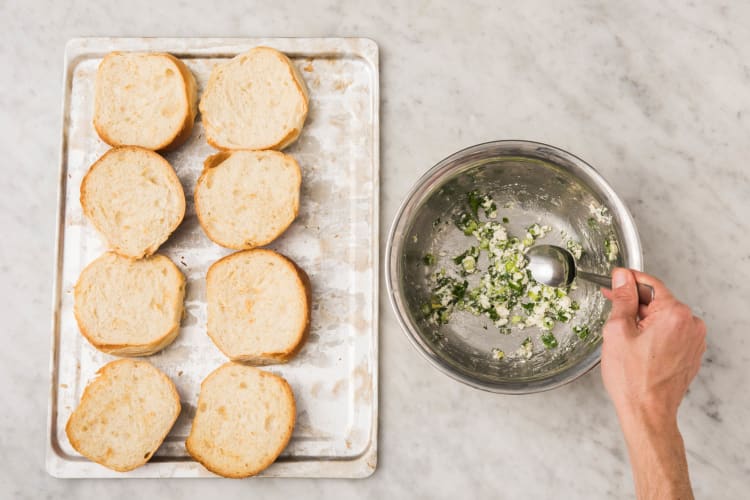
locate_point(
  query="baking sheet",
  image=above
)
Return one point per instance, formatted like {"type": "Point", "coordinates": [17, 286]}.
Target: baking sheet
{"type": "Point", "coordinates": [335, 239]}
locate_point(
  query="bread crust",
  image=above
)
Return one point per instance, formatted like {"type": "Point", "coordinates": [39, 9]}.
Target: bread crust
{"type": "Point", "coordinates": [191, 92]}
{"type": "Point", "coordinates": [195, 451]}
{"type": "Point", "coordinates": [102, 373]}
{"type": "Point", "coordinates": [174, 180]}
{"type": "Point", "coordinates": [215, 161]}
{"type": "Point", "coordinates": [306, 332]}
{"type": "Point", "coordinates": [292, 135]}
{"type": "Point", "coordinates": [300, 82]}
{"type": "Point", "coordinates": [267, 358]}
{"type": "Point", "coordinates": [190, 89]}
{"type": "Point", "coordinates": [132, 349]}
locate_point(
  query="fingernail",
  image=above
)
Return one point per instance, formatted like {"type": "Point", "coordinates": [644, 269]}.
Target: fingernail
{"type": "Point", "coordinates": [619, 278]}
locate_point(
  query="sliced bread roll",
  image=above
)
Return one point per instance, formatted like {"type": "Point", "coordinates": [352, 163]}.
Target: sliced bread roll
{"type": "Point", "coordinates": [258, 100]}
{"type": "Point", "coordinates": [129, 307]}
{"type": "Point", "coordinates": [246, 199]}
{"type": "Point", "coordinates": [124, 415]}
{"type": "Point", "coordinates": [258, 306]}
{"type": "Point", "coordinates": [144, 99]}
{"type": "Point", "coordinates": [243, 422]}
{"type": "Point", "coordinates": [134, 199]}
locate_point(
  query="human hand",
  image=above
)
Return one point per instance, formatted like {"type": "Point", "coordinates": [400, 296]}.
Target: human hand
{"type": "Point", "coordinates": [650, 353]}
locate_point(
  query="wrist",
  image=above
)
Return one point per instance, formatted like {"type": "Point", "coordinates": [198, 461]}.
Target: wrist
{"type": "Point", "coordinates": [656, 449]}
{"type": "Point", "coordinates": [647, 417]}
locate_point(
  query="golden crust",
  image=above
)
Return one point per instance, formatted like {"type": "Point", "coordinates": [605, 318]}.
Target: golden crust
{"type": "Point", "coordinates": [300, 82]}
{"type": "Point", "coordinates": [191, 93]}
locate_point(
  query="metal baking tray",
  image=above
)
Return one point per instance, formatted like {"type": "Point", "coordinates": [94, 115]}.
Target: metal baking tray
{"type": "Point", "coordinates": [335, 239]}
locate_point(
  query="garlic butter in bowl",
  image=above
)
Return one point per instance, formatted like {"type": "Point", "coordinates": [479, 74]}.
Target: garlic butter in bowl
{"type": "Point", "coordinates": [456, 266]}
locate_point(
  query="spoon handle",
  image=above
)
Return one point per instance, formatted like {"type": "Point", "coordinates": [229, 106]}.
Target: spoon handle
{"type": "Point", "coordinates": [645, 292]}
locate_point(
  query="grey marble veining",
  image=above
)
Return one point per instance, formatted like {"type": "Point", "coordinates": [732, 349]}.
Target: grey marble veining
{"type": "Point", "coordinates": [655, 95]}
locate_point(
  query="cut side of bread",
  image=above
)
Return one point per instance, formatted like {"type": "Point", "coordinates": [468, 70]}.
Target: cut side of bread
{"type": "Point", "coordinates": [129, 307]}
{"type": "Point", "coordinates": [134, 199]}
{"type": "Point", "coordinates": [144, 99]}
{"type": "Point", "coordinates": [243, 422]}
{"type": "Point", "coordinates": [258, 100]}
{"type": "Point", "coordinates": [258, 306]}
{"type": "Point", "coordinates": [246, 199]}
{"type": "Point", "coordinates": [124, 415]}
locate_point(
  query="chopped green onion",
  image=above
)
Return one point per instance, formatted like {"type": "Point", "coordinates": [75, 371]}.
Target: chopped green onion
{"type": "Point", "coordinates": [582, 331]}
{"type": "Point", "coordinates": [549, 340]}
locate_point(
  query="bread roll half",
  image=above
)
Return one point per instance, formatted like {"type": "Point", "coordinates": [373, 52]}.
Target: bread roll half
{"type": "Point", "coordinates": [144, 99]}
{"type": "Point", "coordinates": [129, 307]}
{"type": "Point", "coordinates": [124, 415]}
{"type": "Point", "coordinates": [246, 199]}
{"type": "Point", "coordinates": [257, 100]}
{"type": "Point", "coordinates": [134, 199]}
{"type": "Point", "coordinates": [258, 306]}
{"type": "Point", "coordinates": [244, 420]}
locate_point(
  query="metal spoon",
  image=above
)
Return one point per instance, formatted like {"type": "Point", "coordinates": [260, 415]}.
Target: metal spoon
{"type": "Point", "coordinates": [555, 266]}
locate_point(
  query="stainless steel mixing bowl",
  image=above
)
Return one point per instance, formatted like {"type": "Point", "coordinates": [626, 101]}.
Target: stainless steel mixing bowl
{"type": "Point", "coordinates": [530, 182]}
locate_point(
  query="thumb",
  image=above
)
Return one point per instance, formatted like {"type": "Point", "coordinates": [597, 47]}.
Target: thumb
{"type": "Point", "coordinates": [624, 295]}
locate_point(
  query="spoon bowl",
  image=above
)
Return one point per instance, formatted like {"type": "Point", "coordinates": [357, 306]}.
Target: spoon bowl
{"type": "Point", "coordinates": [551, 265]}
{"type": "Point", "coordinates": [555, 266]}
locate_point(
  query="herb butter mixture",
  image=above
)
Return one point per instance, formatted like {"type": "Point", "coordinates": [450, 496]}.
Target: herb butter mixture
{"type": "Point", "coordinates": [505, 291]}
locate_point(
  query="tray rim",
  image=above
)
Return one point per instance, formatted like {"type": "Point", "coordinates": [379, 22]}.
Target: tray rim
{"type": "Point", "coordinates": [361, 466]}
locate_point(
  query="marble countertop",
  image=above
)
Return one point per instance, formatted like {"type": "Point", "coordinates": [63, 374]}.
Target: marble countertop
{"type": "Point", "coordinates": [656, 95]}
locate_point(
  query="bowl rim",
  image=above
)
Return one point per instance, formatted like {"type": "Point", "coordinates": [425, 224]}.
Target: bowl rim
{"type": "Point", "coordinates": [437, 174]}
